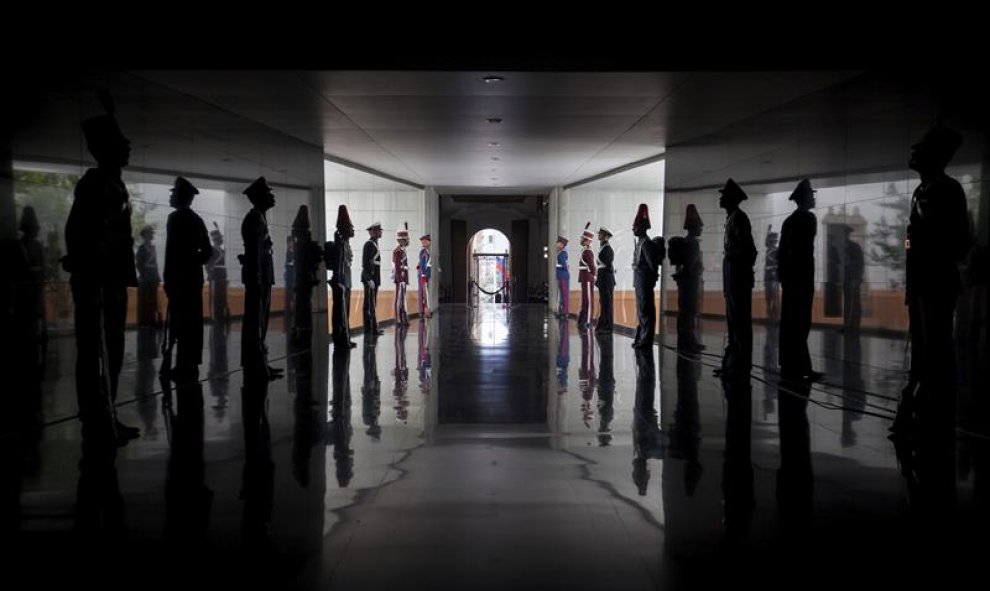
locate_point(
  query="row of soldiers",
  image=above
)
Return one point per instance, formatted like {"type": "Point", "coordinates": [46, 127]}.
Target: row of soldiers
{"type": "Point", "coordinates": [101, 260]}
{"type": "Point", "coordinates": [338, 256]}
{"type": "Point", "coordinates": [647, 256]}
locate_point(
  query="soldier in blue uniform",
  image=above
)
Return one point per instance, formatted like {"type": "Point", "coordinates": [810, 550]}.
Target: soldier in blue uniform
{"type": "Point", "coordinates": [424, 269]}
{"type": "Point", "coordinates": [563, 278]}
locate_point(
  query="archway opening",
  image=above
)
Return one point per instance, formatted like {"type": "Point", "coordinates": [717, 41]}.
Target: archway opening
{"type": "Point", "coordinates": [489, 268]}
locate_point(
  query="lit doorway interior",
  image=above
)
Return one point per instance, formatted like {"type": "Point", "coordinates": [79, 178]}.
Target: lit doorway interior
{"type": "Point", "coordinates": [489, 268]}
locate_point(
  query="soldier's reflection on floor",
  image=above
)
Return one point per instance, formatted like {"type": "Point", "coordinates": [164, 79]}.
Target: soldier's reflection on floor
{"type": "Point", "coordinates": [770, 346]}
{"type": "Point", "coordinates": [424, 361]}
{"type": "Point", "coordinates": [646, 434]}
{"type": "Point", "coordinates": [308, 424]}
{"type": "Point", "coordinates": [587, 377]}
{"type": "Point", "coordinates": [795, 479]}
{"type": "Point", "coordinates": [563, 355]}
{"type": "Point", "coordinates": [737, 467]}
{"type": "Point", "coordinates": [148, 344]}
{"type": "Point", "coordinates": [219, 368]}
{"type": "Point", "coordinates": [257, 484]}
{"type": "Point", "coordinates": [852, 380]}
{"type": "Point", "coordinates": [188, 501]}
{"type": "Point", "coordinates": [99, 505]}
{"type": "Point", "coordinates": [685, 432]}
{"type": "Point", "coordinates": [371, 391]}
{"type": "Point", "coordinates": [401, 375]}
{"type": "Point", "coordinates": [340, 430]}
{"type": "Point", "coordinates": [606, 388]}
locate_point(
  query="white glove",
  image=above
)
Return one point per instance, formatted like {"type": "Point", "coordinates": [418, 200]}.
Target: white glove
{"type": "Point", "coordinates": [371, 284]}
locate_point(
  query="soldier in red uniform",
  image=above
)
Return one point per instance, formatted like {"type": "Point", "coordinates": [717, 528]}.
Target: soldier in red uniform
{"type": "Point", "coordinates": [586, 277]}
{"type": "Point", "coordinates": [400, 274]}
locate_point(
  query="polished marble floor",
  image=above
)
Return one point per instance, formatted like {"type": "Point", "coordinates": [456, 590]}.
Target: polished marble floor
{"type": "Point", "coordinates": [497, 448]}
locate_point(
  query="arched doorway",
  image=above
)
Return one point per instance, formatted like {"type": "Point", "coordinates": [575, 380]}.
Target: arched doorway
{"type": "Point", "coordinates": [489, 268]}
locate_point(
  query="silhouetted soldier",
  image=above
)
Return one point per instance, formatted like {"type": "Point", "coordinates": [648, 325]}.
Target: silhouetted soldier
{"type": "Point", "coordinates": [695, 267]}
{"type": "Point", "coordinates": [796, 270]}
{"type": "Point", "coordinates": [148, 279]}
{"type": "Point", "coordinates": [187, 249]}
{"type": "Point", "coordinates": [338, 259]}
{"type": "Point", "coordinates": [938, 238]}
{"type": "Point", "coordinates": [605, 280]}
{"type": "Point", "coordinates": [216, 270]}
{"type": "Point", "coordinates": [289, 275]}
{"type": "Point", "coordinates": [606, 388]}
{"type": "Point", "coordinates": [100, 257]}
{"type": "Point", "coordinates": [258, 276]}
{"type": "Point", "coordinates": [771, 283]}
{"type": "Point", "coordinates": [855, 265]}
{"type": "Point", "coordinates": [371, 391]}
{"type": "Point", "coordinates": [424, 269]}
{"type": "Point", "coordinates": [400, 275]}
{"type": "Point", "coordinates": [737, 281]}
{"type": "Point", "coordinates": [563, 275]}
{"type": "Point", "coordinates": [685, 253]}
{"type": "Point", "coordinates": [30, 303]}
{"type": "Point", "coordinates": [307, 256]}
{"type": "Point", "coordinates": [371, 277]}
{"type": "Point", "coordinates": [646, 264]}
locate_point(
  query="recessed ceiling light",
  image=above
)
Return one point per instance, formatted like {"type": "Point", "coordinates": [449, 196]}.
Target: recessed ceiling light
{"type": "Point", "coordinates": [495, 158]}
{"type": "Point", "coordinates": [493, 79]}
{"type": "Point", "coordinates": [493, 144]}
{"type": "Point", "coordinates": [494, 119]}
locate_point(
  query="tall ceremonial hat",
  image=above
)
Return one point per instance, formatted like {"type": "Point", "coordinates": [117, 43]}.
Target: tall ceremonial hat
{"type": "Point", "coordinates": [587, 234]}
{"type": "Point", "coordinates": [402, 232]}
{"type": "Point", "coordinates": [102, 128]}
{"type": "Point", "coordinates": [691, 218]}
{"type": "Point", "coordinates": [642, 218]}
{"type": "Point", "coordinates": [302, 219]}
{"type": "Point", "coordinates": [343, 218]}
{"type": "Point", "coordinates": [942, 140]}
